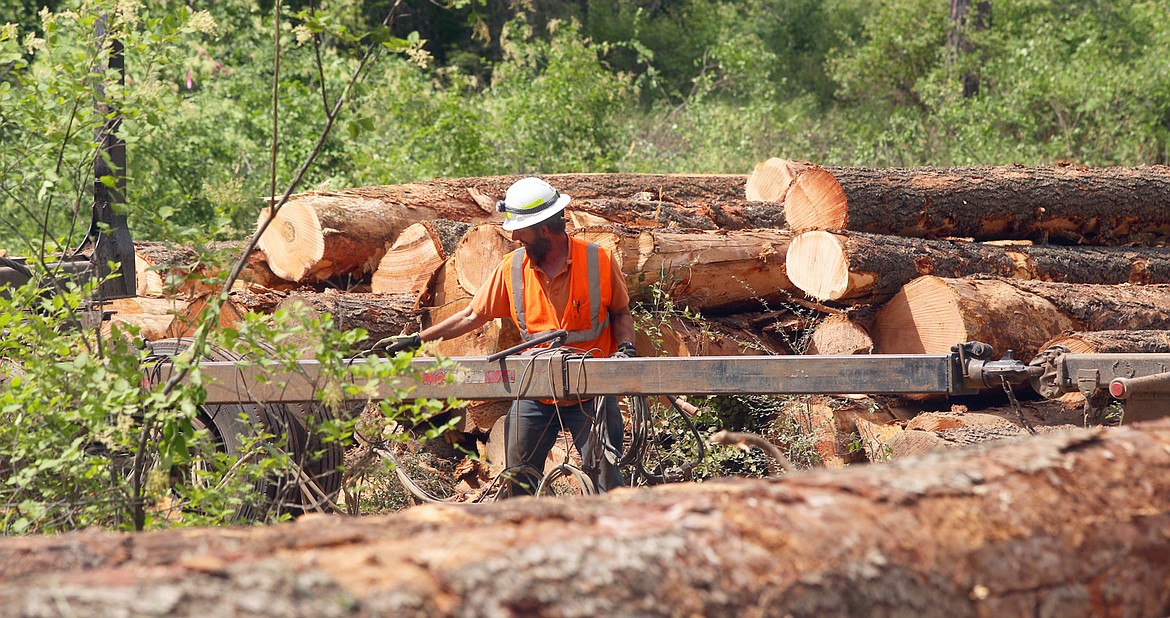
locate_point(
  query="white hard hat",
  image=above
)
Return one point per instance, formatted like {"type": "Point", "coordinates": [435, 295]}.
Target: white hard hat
{"type": "Point", "coordinates": [530, 201]}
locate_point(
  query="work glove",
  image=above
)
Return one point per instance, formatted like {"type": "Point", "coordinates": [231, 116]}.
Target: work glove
{"type": "Point", "coordinates": [400, 343]}
{"type": "Point", "coordinates": [625, 350]}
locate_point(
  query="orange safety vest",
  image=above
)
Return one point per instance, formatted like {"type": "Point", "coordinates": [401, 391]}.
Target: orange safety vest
{"type": "Point", "coordinates": [586, 317]}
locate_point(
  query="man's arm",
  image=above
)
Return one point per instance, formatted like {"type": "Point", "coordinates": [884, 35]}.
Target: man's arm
{"type": "Point", "coordinates": [621, 323]}
{"type": "Point", "coordinates": [461, 323]}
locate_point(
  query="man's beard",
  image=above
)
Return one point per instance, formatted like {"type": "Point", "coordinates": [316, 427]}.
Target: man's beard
{"type": "Point", "coordinates": [538, 249]}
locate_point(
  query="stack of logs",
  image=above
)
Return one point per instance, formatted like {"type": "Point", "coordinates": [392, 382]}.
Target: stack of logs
{"type": "Point", "coordinates": [793, 258]}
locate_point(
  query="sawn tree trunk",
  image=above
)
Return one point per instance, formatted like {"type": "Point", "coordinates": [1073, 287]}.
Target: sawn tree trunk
{"type": "Point", "coordinates": [1063, 524]}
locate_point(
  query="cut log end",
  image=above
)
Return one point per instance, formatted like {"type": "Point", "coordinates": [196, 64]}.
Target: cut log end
{"type": "Point", "coordinates": [923, 318]}
{"type": "Point", "coordinates": [837, 335]}
{"type": "Point", "coordinates": [818, 264]}
{"type": "Point", "coordinates": [294, 241]}
{"type": "Point", "coordinates": [816, 200]}
{"type": "Point", "coordinates": [770, 180]}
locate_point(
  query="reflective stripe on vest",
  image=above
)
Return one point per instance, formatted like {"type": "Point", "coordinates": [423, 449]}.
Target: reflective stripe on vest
{"type": "Point", "coordinates": [593, 270]}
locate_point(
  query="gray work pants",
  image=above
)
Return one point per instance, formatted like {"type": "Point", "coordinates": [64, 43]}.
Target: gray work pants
{"type": "Point", "coordinates": [531, 428]}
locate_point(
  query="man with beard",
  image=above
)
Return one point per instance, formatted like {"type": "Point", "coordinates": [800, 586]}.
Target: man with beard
{"type": "Point", "coordinates": [553, 282]}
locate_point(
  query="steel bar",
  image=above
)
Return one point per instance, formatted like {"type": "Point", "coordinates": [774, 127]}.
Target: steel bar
{"type": "Point", "coordinates": [556, 377]}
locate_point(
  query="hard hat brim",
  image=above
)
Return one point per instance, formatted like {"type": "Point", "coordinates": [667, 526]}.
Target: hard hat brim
{"type": "Point", "coordinates": [519, 222]}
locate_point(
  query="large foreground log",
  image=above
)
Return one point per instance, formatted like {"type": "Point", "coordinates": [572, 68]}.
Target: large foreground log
{"type": "Point", "coordinates": [856, 267]}
{"type": "Point", "coordinates": [931, 314]}
{"type": "Point", "coordinates": [1069, 523]}
{"type": "Point", "coordinates": [1102, 206]}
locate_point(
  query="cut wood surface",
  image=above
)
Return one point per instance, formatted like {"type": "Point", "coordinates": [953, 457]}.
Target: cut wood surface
{"type": "Point", "coordinates": [931, 314]}
{"type": "Point", "coordinates": [155, 318]}
{"type": "Point", "coordinates": [410, 264]}
{"type": "Point", "coordinates": [838, 335]}
{"type": "Point", "coordinates": [1069, 523]}
{"type": "Point", "coordinates": [703, 270]}
{"type": "Point", "coordinates": [857, 267]}
{"type": "Point", "coordinates": [770, 180]}
{"type": "Point", "coordinates": [1113, 342]}
{"type": "Point", "coordinates": [1100, 206]}
{"type": "Point", "coordinates": [478, 253]}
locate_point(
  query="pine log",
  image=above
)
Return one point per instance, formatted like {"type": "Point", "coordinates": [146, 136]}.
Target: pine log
{"type": "Point", "coordinates": [1113, 342]}
{"type": "Point", "coordinates": [238, 304]}
{"type": "Point", "coordinates": [770, 180]}
{"type": "Point", "coordinates": [381, 315]}
{"type": "Point", "coordinates": [469, 194]}
{"type": "Point", "coordinates": [838, 335]}
{"type": "Point", "coordinates": [702, 270]}
{"type": "Point", "coordinates": [155, 318]}
{"type": "Point", "coordinates": [478, 254]}
{"type": "Point", "coordinates": [642, 212]}
{"type": "Point", "coordinates": [168, 269]}
{"type": "Point", "coordinates": [1070, 523]}
{"type": "Point", "coordinates": [856, 267]}
{"type": "Point", "coordinates": [319, 237]}
{"type": "Point", "coordinates": [931, 314]}
{"type": "Point", "coordinates": [1095, 206]}
{"type": "Point", "coordinates": [410, 264]}
{"type": "Point", "coordinates": [673, 335]}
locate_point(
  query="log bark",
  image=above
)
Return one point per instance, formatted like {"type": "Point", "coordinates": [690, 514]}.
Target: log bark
{"type": "Point", "coordinates": [855, 267]}
{"type": "Point", "coordinates": [239, 303]}
{"type": "Point", "coordinates": [1113, 342]}
{"type": "Point", "coordinates": [409, 265]}
{"type": "Point", "coordinates": [1095, 206]}
{"type": "Point", "coordinates": [727, 215]}
{"type": "Point", "coordinates": [471, 194]}
{"type": "Point", "coordinates": [381, 315]}
{"type": "Point", "coordinates": [705, 271]}
{"type": "Point", "coordinates": [672, 335]}
{"type": "Point", "coordinates": [1070, 523]}
{"type": "Point", "coordinates": [931, 314]}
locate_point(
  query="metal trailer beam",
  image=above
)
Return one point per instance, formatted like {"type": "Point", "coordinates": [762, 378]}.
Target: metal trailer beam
{"type": "Point", "coordinates": [558, 377]}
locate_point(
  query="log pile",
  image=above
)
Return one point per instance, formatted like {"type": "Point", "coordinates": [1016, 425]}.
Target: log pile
{"type": "Point", "coordinates": [793, 258]}
{"type": "Point", "coordinates": [1023, 258]}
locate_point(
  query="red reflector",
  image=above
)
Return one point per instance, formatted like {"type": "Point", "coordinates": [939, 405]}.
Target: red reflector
{"type": "Point", "coordinates": [1117, 389]}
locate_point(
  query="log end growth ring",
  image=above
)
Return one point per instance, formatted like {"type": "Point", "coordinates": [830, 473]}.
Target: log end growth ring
{"type": "Point", "coordinates": [816, 200]}
{"type": "Point", "coordinates": [924, 317]}
{"type": "Point", "coordinates": [770, 180]}
{"type": "Point", "coordinates": [818, 265]}
{"type": "Point", "coordinates": [294, 242]}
